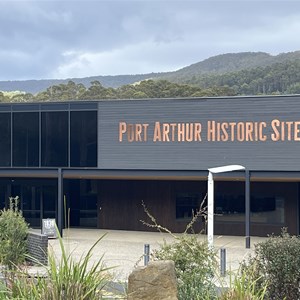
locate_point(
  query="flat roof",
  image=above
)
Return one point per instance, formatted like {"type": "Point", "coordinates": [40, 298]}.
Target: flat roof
{"type": "Point", "coordinates": [254, 97]}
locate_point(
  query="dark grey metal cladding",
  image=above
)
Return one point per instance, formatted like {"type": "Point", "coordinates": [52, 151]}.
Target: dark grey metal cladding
{"type": "Point", "coordinates": [197, 155]}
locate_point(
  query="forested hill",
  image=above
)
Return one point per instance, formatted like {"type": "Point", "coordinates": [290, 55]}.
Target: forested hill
{"type": "Point", "coordinates": [278, 78]}
{"type": "Point", "coordinates": [248, 73]}
{"type": "Point", "coordinates": [228, 63]}
{"type": "Point", "coordinates": [35, 86]}
{"type": "Point", "coordinates": [222, 75]}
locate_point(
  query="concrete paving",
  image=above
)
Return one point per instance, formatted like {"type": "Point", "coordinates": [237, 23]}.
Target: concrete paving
{"type": "Point", "coordinates": [123, 250]}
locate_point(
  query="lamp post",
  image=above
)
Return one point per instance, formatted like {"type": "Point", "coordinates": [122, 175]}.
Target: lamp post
{"type": "Point", "coordinates": [210, 197]}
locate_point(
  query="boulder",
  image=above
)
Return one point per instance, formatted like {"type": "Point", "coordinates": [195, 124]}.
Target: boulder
{"type": "Point", "coordinates": [156, 281]}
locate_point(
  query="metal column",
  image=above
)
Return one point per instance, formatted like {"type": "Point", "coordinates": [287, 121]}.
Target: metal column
{"type": "Point", "coordinates": [60, 202]}
{"type": "Point", "coordinates": [210, 210]}
{"type": "Point", "coordinates": [247, 208]}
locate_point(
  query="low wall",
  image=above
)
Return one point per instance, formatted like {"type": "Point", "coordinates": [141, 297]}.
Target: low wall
{"type": "Point", "coordinates": [37, 246]}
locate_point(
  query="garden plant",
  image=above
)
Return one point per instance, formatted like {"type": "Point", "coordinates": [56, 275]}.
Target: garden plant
{"type": "Point", "coordinates": [194, 261]}
{"type": "Point", "coordinates": [13, 234]}
{"type": "Point", "coordinates": [275, 263]}
{"type": "Point", "coordinates": [65, 278]}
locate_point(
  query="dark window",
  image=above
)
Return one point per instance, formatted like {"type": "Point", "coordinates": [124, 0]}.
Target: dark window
{"type": "Point", "coordinates": [26, 139]}
{"type": "Point", "coordinates": [55, 139]}
{"type": "Point", "coordinates": [5, 139]}
{"type": "Point", "coordinates": [266, 206]}
{"type": "Point", "coordinates": [187, 204]}
{"type": "Point", "coordinates": [49, 200]}
{"type": "Point", "coordinates": [3, 194]}
{"type": "Point", "coordinates": [81, 201]}
{"type": "Point", "coordinates": [268, 209]}
{"type": "Point", "coordinates": [83, 139]}
{"type": "Point", "coordinates": [230, 206]}
{"type": "Point", "coordinates": [30, 197]}
{"type": "Point", "coordinates": [37, 198]}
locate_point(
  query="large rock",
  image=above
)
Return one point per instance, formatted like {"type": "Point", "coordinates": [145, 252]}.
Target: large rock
{"type": "Point", "coordinates": [156, 281]}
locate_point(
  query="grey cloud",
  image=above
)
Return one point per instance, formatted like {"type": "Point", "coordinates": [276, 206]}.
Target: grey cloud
{"type": "Point", "coordinates": [35, 36]}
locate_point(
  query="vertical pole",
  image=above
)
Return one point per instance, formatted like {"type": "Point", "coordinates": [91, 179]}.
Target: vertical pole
{"type": "Point", "coordinates": [69, 136]}
{"type": "Point", "coordinates": [40, 137]}
{"type": "Point", "coordinates": [41, 205]}
{"type": "Point", "coordinates": [146, 254]}
{"type": "Point", "coordinates": [223, 261]}
{"type": "Point", "coordinates": [60, 205]}
{"type": "Point", "coordinates": [247, 207]}
{"type": "Point", "coordinates": [210, 210]}
{"type": "Point", "coordinates": [11, 139]}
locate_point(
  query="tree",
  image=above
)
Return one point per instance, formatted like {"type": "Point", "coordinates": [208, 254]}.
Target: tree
{"type": "Point", "coordinates": [2, 97]}
{"type": "Point", "coordinates": [294, 88]}
{"type": "Point", "coordinates": [95, 91]}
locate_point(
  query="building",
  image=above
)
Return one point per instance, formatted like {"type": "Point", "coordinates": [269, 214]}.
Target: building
{"type": "Point", "coordinates": [94, 162]}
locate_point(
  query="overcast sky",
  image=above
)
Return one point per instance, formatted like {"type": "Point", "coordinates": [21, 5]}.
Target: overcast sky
{"type": "Point", "coordinates": [65, 39]}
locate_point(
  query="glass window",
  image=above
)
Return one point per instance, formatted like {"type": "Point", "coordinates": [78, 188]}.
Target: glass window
{"type": "Point", "coordinates": [55, 139]}
{"type": "Point", "coordinates": [187, 204]}
{"type": "Point", "coordinates": [269, 209]}
{"type": "Point", "coordinates": [49, 200]}
{"type": "Point", "coordinates": [26, 139]}
{"type": "Point", "coordinates": [3, 194]}
{"type": "Point", "coordinates": [230, 206]}
{"type": "Point", "coordinates": [81, 201]}
{"type": "Point", "coordinates": [31, 207]}
{"type": "Point", "coordinates": [266, 207]}
{"type": "Point", "coordinates": [88, 203]}
{"type": "Point", "coordinates": [5, 139]}
{"type": "Point", "coordinates": [83, 139]}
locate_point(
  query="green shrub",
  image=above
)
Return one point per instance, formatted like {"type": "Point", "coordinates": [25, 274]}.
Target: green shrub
{"type": "Point", "coordinates": [276, 264]}
{"type": "Point", "coordinates": [194, 266]}
{"type": "Point", "coordinates": [13, 234]}
{"type": "Point", "coordinates": [195, 262]}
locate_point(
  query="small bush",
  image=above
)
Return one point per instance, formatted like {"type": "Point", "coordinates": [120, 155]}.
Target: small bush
{"type": "Point", "coordinates": [195, 262]}
{"type": "Point", "coordinates": [276, 264]}
{"type": "Point", "coordinates": [13, 233]}
{"type": "Point", "coordinates": [194, 266]}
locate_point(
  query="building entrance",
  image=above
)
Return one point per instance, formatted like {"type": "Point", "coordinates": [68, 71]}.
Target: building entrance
{"type": "Point", "coordinates": [81, 203]}
{"type": "Point", "coordinates": [37, 198]}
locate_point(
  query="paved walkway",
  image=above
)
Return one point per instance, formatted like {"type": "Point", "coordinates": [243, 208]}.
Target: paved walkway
{"type": "Point", "coordinates": [123, 250]}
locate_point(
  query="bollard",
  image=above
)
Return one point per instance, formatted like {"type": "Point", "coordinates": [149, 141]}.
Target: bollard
{"type": "Point", "coordinates": [223, 261]}
{"type": "Point", "coordinates": [146, 254]}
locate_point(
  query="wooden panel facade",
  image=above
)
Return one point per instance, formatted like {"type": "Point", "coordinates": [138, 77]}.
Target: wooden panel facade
{"type": "Point", "coordinates": [121, 205]}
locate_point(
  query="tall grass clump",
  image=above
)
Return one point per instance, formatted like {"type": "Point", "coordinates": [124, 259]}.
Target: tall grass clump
{"type": "Point", "coordinates": [195, 262]}
{"type": "Point", "coordinates": [65, 278]}
{"type": "Point", "coordinates": [243, 286]}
